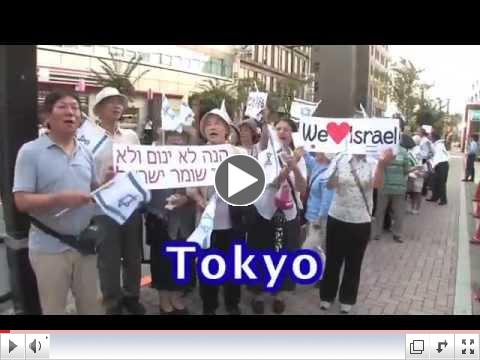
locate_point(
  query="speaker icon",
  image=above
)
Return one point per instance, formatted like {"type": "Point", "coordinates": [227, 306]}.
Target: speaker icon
{"type": "Point", "coordinates": [35, 346]}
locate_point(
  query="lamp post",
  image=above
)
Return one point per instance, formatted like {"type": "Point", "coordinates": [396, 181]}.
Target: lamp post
{"type": "Point", "coordinates": [18, 124]}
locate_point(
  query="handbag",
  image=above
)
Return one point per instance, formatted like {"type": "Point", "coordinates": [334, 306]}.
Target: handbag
{"type": "Point", "coordinates": [359, 185]}
{"type": "Point", "coordinates": [243, 218]}
{"type": "Point", "coordinates": [86, 243]}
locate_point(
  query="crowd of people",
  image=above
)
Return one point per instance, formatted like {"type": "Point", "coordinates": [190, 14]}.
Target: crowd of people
{"type": "Point", "coordinates": [335, 215]}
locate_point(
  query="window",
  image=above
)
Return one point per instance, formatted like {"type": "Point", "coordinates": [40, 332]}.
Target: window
{"type": "Point", "coordinates": [117, 51]}
{"type": "Point", "coordinates": [130, 54]}
{"type": "Point", "coordinates": [166, 59]}
{"type": "Point", "coordinates": [145, 56]}
{"type": "Point", "coordinates": [287, 61]}
{"type": "Point", "coordinates": [177, 61]}
{"type": "Point", "coordinates": [304, 67]}
{"type": "Point", "coordinates": [257, 51]}
{"type": "Point", "coordinates": [274, 61]}
{"type": "Point", "coordinates": [227, 70]}
{"type": "Point", "coordinates": [316, 66]}
{"type": "Point", "coordinates": [197, 65]}
{"type": "Point", "coordinates": [265, 55]}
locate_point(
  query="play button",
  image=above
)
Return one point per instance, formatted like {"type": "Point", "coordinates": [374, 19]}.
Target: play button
{"type": "Point", "coordinates": [11, 346]}
{"type": "Point", "coordinates": [240, 180]}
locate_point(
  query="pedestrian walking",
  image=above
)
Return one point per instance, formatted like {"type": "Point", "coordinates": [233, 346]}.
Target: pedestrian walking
{"type": "Point", "coordinates": [121, 252]}
{"type": "Point", "coordinates": [349, 225]}
{"type": "Point", "coordinates": [52, 173]}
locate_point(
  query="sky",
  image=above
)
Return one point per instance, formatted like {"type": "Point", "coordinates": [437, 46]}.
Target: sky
{"type": "Point", "coordinates": [452, 69]}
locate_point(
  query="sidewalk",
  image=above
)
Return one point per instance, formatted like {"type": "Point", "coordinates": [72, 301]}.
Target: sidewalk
{"type": "Point", "coordinates": [470, 189]}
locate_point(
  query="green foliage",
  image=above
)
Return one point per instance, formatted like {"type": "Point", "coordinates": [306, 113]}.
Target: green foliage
{"type": "Point", "coordinates": [115, 76]}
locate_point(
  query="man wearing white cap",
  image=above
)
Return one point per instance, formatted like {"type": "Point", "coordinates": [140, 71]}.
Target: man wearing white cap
{"type": "Point", "coordinates": [215, 127]}
{"type": "Point", "coordinates": [124, 242]}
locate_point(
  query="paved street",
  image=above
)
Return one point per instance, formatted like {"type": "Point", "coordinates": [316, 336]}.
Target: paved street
{"type": "Point", "coordinates": [416, 277]}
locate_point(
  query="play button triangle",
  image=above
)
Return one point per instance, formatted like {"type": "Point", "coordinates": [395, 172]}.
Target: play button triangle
{"type": "Point", "coordinates": [11, 346]}
{"type": "Point", "coordinates": [238, 180]}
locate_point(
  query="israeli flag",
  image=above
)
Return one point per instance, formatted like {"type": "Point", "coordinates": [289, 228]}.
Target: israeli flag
{"type": "Point", "coordinates": [169, 116]}
{"type": "Point", "coordinates": [201, 235]}
{"type": "Point", "coordinates": [126, 193]}
{"type": "Point", "coordinates": [173, 121]}
{"type": "Point", "coordinates": [91, 136]}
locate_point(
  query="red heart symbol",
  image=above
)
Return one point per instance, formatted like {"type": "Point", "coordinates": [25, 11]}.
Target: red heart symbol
{"type": "Point", "coordinates": [338, 132]}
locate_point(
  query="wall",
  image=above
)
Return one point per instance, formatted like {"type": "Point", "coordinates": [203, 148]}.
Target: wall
{"type": "Point", "coordinates": [337, 79]}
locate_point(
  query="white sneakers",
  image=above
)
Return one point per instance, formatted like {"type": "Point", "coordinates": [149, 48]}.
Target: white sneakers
{"type": "Point", "coordinates": [345, 308]}
{"type": "Point", "coordinates": [325, 305]}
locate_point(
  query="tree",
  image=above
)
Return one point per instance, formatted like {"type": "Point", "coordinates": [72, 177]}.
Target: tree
{"type": "Point", "coordinates": [212, 93]}
{"type": "Point", "coordinates": [281, 100]}
{"type": "Point", "coordinates": [405, 89]}
{"type": "Point", "coordinates": [429, 113]}
{"type": "Point", "coordinates": [117, 74]}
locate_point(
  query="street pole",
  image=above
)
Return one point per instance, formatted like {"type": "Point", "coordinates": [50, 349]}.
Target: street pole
{"type": "Point", "coordinates": [18, 124]}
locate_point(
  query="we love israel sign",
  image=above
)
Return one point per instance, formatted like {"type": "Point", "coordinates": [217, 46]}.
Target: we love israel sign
{"type": "Point", "coordinates": [353, 136]}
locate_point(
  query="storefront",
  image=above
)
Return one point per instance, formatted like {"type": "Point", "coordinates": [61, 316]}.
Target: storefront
{"type": "Point", "coordinates": [471, 123]}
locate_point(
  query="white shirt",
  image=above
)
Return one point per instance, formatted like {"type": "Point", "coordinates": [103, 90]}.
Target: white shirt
{"type": "Point", "coordinates": [473, 148]}
{"type": "Point", "coordinates": [104, 156]}
{"type": "Point", "coordinates": [266, 204]}
{"type": "Point", "coordinates": [440, 153]}
{"type": "Point", "coordinates": [348, 204]}
{"type": "Point", "coordinates": [425, 148]}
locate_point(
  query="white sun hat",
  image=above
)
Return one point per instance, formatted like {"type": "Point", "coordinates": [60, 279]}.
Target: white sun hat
{"type": "Point", "coordinates": [222, 114]}
{"type": "Point", "coordinates": [108, 92]}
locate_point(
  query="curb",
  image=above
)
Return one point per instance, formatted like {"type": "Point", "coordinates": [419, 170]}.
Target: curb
{"type": "Point", "coordinates": [463, 286]}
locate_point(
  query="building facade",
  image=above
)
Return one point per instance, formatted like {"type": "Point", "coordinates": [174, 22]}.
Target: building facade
{"type": "Point", "coordinates": [474, 92]}
{"type": "Point", "coordinates": [274, 65]}
{"type": "Point", "coordinates": [175, 71]}
{"type": "Point", "coordinates": [349, 75]}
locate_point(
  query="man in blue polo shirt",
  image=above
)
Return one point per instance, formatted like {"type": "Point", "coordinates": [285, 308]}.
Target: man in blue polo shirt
{"type": "Point", "coordinates": [52, 173]}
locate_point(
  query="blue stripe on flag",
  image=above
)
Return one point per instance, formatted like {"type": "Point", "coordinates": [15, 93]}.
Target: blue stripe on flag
{"type": "Point", "coordinates": [137, 186]}
{"type": "Point", "coordinates": [110, 208]}
{"type": "Point", "coordinates": [102, 140]}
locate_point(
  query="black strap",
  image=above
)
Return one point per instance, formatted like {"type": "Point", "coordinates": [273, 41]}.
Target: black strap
{"type": "Point", "coordinates": [313, 178]}
{"type": "Point", "coordinates": [359, 185]}
{"type": "Point", "coordinates": [292, 189]}
{"type": "Point", "coordinates": [69, 240]}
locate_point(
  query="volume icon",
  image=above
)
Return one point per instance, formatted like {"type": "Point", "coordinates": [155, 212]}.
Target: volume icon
{"type": "Point", "coordinates": [35, 346]}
